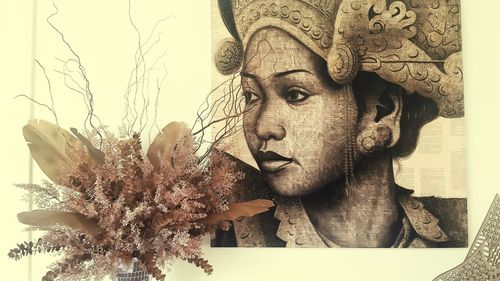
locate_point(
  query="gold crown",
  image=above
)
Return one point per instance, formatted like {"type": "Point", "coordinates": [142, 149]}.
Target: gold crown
{"type": "Point", "coordinates": [412, 43]}
{"type": "Point", "coordinates": [311, 21]}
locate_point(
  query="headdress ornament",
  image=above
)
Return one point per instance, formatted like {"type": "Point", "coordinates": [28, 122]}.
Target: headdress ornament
{"type": "Point", "coordinates": [412, 43]}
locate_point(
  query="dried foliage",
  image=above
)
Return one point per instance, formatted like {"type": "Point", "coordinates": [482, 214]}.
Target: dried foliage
{"type": "Point", "coordinates": [101, 212]}
{"type": "Point", "coordinates": [29, 248]}
{"type": "Point", "coordinates": [108, 201]}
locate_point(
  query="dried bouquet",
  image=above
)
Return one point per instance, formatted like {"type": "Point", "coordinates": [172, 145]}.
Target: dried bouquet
{"type": "Point", "coordinates": [109, 202]}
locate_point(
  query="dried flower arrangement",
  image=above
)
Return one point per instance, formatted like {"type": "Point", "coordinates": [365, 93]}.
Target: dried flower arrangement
{"type": "Point", "coordinates": [108, 205]}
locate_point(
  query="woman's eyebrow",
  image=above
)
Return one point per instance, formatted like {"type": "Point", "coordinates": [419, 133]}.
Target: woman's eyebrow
{"type": "Point", "coordinates": [287, 72]}
{"type": "Point", "coordinates": [278, 74]}
{"type": "Point", "coordinates": [248, 75]}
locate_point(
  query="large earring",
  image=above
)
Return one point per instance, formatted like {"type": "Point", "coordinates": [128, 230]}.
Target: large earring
{"type": "Point", "coordinates": [373, 139]}
{"type": "Point", "coordinates": [228, 56]}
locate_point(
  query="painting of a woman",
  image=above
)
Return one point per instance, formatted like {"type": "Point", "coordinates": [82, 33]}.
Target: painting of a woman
{"type": "Point", "coordinates": [335, 91]}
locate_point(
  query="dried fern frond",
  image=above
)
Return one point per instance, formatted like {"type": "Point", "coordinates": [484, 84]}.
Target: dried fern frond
{"type": "Point", "coordinates": [201, 263]}
{"type": "Point", "coordinates": [30, 248]}
{"type": "Point", "coordinates": [46, 195]}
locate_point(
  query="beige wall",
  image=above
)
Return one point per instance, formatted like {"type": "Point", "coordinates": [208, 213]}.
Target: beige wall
{"type": "Point", "coordinates": [105, 41]}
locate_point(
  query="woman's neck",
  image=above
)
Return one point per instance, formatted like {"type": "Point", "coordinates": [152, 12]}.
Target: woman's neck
{"type": "Point", "coordinates": [369, 216]}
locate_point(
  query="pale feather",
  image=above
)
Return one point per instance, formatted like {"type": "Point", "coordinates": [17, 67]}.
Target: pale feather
{"type": "Point", "coordinates": [50, 146]}
{"type": "Point", "coordinates": [43, 218]}
{"type": "Point", "coordinates": [173, 146]}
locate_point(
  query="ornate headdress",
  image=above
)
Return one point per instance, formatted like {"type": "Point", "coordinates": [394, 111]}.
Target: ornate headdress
{"type": "Point", "coordinates": [413, 43]}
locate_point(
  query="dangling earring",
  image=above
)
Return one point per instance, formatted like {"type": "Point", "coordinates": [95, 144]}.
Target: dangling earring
{"type": "Point", "coordinates": [350, 146]}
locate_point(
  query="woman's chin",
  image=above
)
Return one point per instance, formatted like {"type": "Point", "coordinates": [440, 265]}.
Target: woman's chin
{"type": "Point", "coordinates": [288, 187]}
{"type": "Point", "coordinates": [295, 180]}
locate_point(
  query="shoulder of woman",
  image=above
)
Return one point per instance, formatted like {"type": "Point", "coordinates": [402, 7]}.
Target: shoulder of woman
{"type": "Point", "coordinates": [452, 214]}
{"type": "Point", "coordinates": [448, 215]}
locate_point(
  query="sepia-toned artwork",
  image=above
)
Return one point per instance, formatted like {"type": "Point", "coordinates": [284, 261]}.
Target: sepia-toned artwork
{"type": "Point", "coordinates": [348, 114]}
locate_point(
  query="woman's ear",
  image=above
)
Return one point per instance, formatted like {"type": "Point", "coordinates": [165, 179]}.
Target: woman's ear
{"type": "Point", "coordinates": [392, 119]}
{"type": "Point", "coordinates": [379, 126]}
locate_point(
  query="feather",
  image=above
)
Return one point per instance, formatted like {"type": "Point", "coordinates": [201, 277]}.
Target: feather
{"type": "Point", "coordinates": [173, 146]}
{"type": "Point", "coordinates": [49, 146]}
{"type": "Point", "coordinates": [171, 217]}
{"type": "Point", "coordinates": [43, 218]}
{"type": "Point", "coordinates": [95, 153]}
{"type": "Point", "coordinates": [244, 209]}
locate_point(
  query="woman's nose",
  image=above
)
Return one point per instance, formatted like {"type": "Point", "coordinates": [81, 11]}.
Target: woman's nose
{"type": "Point", "coordinates": [270, 125]}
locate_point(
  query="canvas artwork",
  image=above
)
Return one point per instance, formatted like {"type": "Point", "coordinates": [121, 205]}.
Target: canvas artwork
{"type": "Point", "coordinates": [348, 114]}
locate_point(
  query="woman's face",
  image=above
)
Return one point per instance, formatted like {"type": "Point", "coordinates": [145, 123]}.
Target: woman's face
{"type": "Point", "coordinates": [295, 116]}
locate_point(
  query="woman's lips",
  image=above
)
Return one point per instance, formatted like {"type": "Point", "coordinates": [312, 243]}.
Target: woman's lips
{"type": "Point", "coordinates": [272, 167]}
{"type": "Point", "coordinates": [272, 162]}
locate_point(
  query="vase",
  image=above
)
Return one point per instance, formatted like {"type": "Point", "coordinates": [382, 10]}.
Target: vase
{"type": "Point", "coordinates": [133, 271]}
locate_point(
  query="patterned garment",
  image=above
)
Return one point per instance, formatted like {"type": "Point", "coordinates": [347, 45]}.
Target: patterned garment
{"type": "Point", "coordinates": [428, 222]}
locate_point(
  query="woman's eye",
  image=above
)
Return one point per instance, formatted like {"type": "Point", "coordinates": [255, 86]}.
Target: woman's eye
{"type": "Point", "coordinates": [250, 97]}
{"type": "Point", "coordinates": [296, 96]}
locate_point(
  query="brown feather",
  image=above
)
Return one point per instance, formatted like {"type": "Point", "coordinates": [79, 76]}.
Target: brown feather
{"type": "Point", "coordinates": [244, 209]}
{"type": "Point", "coordinates": [97, 155]}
